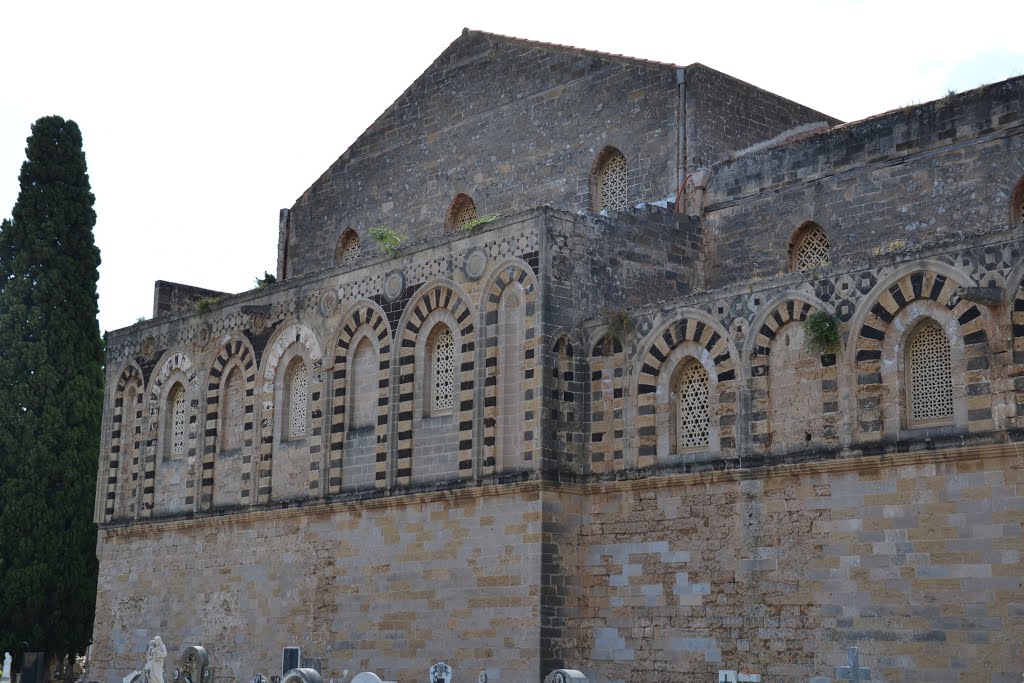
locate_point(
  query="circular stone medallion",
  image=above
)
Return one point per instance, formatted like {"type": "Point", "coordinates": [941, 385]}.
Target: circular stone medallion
{"type": "Point", "coordinates": [148, 347]}
{"type": "Point", "coordinates": [328, 302]}
{"type": "Point", "coordinates": [203, 335]}
{"type": "Point", "coordinates": [474, 263]}
{"type": "Point", "coordinates": [394, 285]}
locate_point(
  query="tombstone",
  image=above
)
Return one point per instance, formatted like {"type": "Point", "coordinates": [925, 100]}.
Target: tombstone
{"type": "Point", "coordinates": [565, 676]}
{"type": "Point", "coordinates": [291, 658]}
{"type": "Point", "coordinates": [853, 671]}
{"type": "Point", "coordinates": [33, 667]}
{"type": "Point", "coordinates": [440, 673]}
{"type": "Point", "coordinates": [6, 675]}
{"type": "Point", "coordinates": [301, 675]}
{"type": "Point", "coordinates": [732, 676]}
{"type": "Point", "coordinates": [367, 677]}
{"type": "Point", "coordinates": [195, 666]}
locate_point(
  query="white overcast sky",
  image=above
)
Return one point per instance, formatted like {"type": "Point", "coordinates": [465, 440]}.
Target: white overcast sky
{"type": "Point", "coordinates": [203, 119]}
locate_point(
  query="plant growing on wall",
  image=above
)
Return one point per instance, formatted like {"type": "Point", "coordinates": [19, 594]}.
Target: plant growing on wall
{"type": "Point", "coordinates": [477, 222]}
{"type": "Point", "coordinates": [267, 279]}
{"type": "Point", "coordinates": [204, 305]}
{"type": "Point", "coordinates": [618, 325]}
{"type": "Point", "coordinates": [388, 239]}
{"type": "Point", "coordinates": [822, 330]}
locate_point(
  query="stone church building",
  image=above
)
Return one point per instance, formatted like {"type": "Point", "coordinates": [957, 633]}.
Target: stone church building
{"type": "Point", "coordinates": [669, 375]}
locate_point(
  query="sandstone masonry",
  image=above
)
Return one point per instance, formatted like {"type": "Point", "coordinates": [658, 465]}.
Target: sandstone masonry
{"type": "Point", "coordinates": [577, 419]}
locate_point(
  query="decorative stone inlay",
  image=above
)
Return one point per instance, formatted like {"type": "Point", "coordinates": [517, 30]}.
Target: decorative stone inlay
{"type": "Point", "coordinates": [394, 285]}
{"type": "Point", "coordinates": [328, 302]}
{"type": "Point", "coordinates": [149, 347]}
{"type": "Point", "coordinates": [203, 335]}
{"type": "Point", "coordinates": [475, 263]}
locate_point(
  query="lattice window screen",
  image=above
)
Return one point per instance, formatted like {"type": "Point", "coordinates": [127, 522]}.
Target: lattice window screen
{"type": "Point", "coordinates": [178, 427]}
{"type": "Point", "coordinates": [813, 250]}
{"type": "Point", "coordinates": [693, 426]}
{"type": "Point", "coordinates": [611, 184]}
{"type": "Point", "coordinates": [465, 213]}
{"type": "Point", "coordinates": [299, 401]}
{"type": "Point", "coordinates": [444, 371]}
{"type": "Point", "coordinates": [931, 374]}
{"type": "Point", "coordinates": [349, 249]}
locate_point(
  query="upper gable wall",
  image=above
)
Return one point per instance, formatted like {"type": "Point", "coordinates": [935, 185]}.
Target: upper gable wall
{"type": "Point", "coordinates": [512, 124]}
{"type": "Point", "coordinates": [901, 180]}
{"type": "Point", "coordinates": [725, 114]}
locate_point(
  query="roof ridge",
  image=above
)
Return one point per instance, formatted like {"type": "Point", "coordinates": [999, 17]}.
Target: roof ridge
{"type": "Point", "coordinates": [560, 46]}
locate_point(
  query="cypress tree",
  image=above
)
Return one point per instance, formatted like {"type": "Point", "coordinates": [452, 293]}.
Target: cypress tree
{"type": "Point", "coordinates": [51, 399]}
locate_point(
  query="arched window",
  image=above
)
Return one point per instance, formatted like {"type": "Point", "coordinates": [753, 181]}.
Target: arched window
{"type": "Point", "coordinates": [809, 248]}
{"type": "Point", "coordinates": [177, 425]}
{"type": "Point", "coordinates": [1017, 204]}
{"type": "Point", "coordinates": [930, 373]}
{"type": "Point", "coordinates": [442, 370]}
{"type": "Point", "coordinates": [611, 186]}
{"type": "Point", "coordinates": [348, 249]}
{"type": "Point", "coordinates": [362, 385]}
{"type": "Point", "coordinates": [693, 423]}
{"type": "Point", "coordinates": [297, 396]}
{"type": "Point", "coordinates": [460, 213]}
{"type": "Point", "coordinates": [232, 407]}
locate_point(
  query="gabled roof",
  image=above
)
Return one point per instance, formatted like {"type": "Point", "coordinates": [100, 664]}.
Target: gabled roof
{"type": "Point", "coordinates": [570, 48]}
{"type": "Point", "coordinates": [447, 59]}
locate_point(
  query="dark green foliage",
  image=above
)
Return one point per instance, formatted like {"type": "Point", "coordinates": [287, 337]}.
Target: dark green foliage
{"type": "Point", "coordinates": [822, 332]}
{"type": "Point", "coordinates": [51, 399]}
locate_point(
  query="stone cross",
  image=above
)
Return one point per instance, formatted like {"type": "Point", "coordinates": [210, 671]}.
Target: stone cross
{"type": "Point", "coordinates": [853, 671]}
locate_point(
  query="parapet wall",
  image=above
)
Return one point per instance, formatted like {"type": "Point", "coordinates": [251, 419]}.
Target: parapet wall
{"type": "Point", "coordinates": [910, 178]}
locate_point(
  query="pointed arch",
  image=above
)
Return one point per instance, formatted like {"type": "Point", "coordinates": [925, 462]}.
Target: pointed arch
{"type": "Point", "coordinates": [121, 495]}
{"type": "Point", "coordinates": [294, 342]}
{"type": "Point", "coordinates": [438, 301]}
{"type": "Point", "coordinates": [169, 477]}
{"type": "Point", "coordinates": [512, 396]}
{"type": "Point", "coordinates": [461, 211]}
{"type": "Point", "coordinates": [365, 321]}
{"type": "Point", "coordinates": [879, 337]}
{"type": "Point", "coordinates": [806, 398]}
{"type": "Point", "coordinates": [348, 248]}
{"type": "Point", "coordinates": [696, 336]}
{"type": "Point", "coordinates": [610, 181]}
{"type": "Point", "coordinates": [1017, 203]}
{"type": "Point", "coordinates": [607, 388]}
{"type": "Point", "coordinates": [235, 355]}
{"type": "Point", "coordinates": [564, 391]}
{"type": "Point", "coordinates": [809, 248]}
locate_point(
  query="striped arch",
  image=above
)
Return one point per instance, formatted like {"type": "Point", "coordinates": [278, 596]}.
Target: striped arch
{"type": "Point", "coordinates": [607, 389]}
{"type": "Point", "coordinates": [1017, 326]}
{"type": "Point", "coordinates": [874, 398]}
{"type": "Point", "coordinates": [768, 325]}
{"type": "Point", "coordinates": [701, 333]}
{"type": "Point", "coordinates": [563, 394]}
{"type": "Point", "coordinates": [511, 273]}
{"type": "Point", "coordinates": [235, 349]}
{"type": "Point", "coordinates": [290, 336]}
{"type": "Point", "coordinates": [368, 316]}
{"type": "Point", "coordinates": [121, 443]}
{"type": "Point", "coordinates": [439, 295]}
{"type": "Point", "coordinates": [174, 364]}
